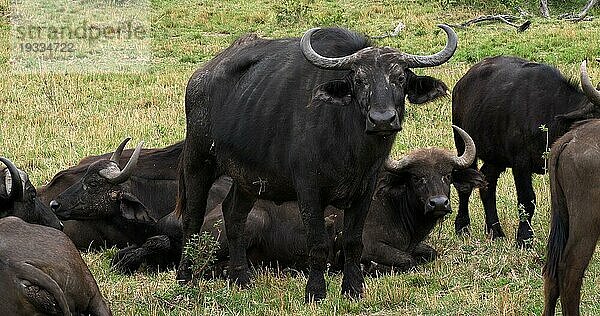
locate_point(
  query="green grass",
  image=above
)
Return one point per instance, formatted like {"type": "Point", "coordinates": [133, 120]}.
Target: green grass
{"type": "Point", "coordinates": [48, 122]}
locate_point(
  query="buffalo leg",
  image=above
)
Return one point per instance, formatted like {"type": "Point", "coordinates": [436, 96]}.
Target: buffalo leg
{"type": "Point", "coordinates": [236, 207]}
{"type": "Point", "coordinates": [463, 221]}
{"type": "Point", "coordinates": [354, 222]}
{"type": "Point", "coordinates": [312, 212]}
{"type": "Point", "coordinates": [583, 236]}
{"type": "Point", "coordinates": [128, 260]}
{"type": "Point", "coordinates": [198, 176]}
{"type": "Point", "coordinates": [526, 205]}
{"type": "Point", "coordinates": [384, 254]}
{"type": "Point", "coordinates": [551, 294]}
{"type": "Point", "coordinates": [424, 253]}
{"type": "Point", "coordinates": [488, 198]}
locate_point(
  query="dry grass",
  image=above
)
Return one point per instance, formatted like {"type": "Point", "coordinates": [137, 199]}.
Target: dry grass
{"type": "Point", "coordinates": [49, 122]}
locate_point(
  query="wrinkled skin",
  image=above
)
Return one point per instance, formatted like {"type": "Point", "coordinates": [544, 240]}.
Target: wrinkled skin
{"type": "Point", "coordinates": [42, 273]}
{"type": "Point", "coordinates": [315, 134]}
{"type": "Point", "coordinates": [574, 167]}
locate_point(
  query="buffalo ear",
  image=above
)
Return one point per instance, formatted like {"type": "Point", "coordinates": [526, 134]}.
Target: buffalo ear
{"type": "Point", "coordinates": [134, 210]}
{"type": "Point", "coordinates": [389, 180]}
{"type": "Point", "coordinates": [335, 92]}
{"type": "Point", "coordinates": [421, 89]}
{"type": "Point", "coordinates": [586, 112]}
{"type": "Point", "coordinates": [465, 180]}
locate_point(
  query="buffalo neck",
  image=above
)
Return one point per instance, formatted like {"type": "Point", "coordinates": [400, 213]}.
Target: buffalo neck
{"type": "Point", "coordinates": [406, 210]}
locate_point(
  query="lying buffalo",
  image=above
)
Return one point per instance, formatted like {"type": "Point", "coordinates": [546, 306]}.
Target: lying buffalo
{"type": "Point", "coordinates": [312, 119]}
{"type": "Point", "coordinates": [42, 273]}
{"type": "Point", "coordinates": [18, 198]}
{"type": "Point", "coordinates": [575, 185]}
{"type": "Point", "coordinates": [504, 103]}
{"type": "Point", "coordinates": [152, 182]}
{"type": "Point", "coordinates": [402, 214]}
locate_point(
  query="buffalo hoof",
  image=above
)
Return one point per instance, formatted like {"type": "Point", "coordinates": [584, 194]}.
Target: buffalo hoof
{"type": "Point", "coordinates": [423, 253]}
{"type": "Point", "coordinates": [524, 235]}
{"type": "Point", "coordinates": [316, 290]}
{"type": "Point", "coordinates": [240, 277]}
{"type": "Point", "coordinates": [462, 227]}
{"type": "Point", "coordinates": [353, 281]}
{"type": "Point", "coordinates": [374, 269]}
{"type": "Point", "coordinates": [126, 261]}
{"type": "Point", "coordinates": [495, 231]}
{"type": "Point", "coordinates": [184, 272]}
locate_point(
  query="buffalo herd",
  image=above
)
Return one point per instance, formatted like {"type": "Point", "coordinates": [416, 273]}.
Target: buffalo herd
{"type": "Point", "coordinates": [286, 161]}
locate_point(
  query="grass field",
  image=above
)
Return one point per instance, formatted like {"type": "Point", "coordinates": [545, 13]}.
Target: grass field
{"type": "Point", "coordinates": [50, 121]}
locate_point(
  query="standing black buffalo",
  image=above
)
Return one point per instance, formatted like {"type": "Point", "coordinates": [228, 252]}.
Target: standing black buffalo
{"type": "Point", "coordinates": [574, 168]}
{"type": "Point", "coordinates": [503, 102]}
{"type": "Point", "coordinates": [18, 198]}
{"type": "Point", "coordinates": [285, 122]}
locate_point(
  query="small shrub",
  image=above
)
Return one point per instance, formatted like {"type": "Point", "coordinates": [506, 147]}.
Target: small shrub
{"type": "Point", "coordinates": [291, 11]}
{"type": "Point", "coordinates": [201, 249]}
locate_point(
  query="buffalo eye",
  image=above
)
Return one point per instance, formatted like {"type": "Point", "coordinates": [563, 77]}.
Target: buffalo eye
{"type": "Point", "coordinates": [114, 195]}
{"type": "Point", "coordinates": [360, 78]}
{"type": "Point", "coordinates": [397, 75]}
{"type": "Point", "coordinates": [397, 79]}
{"type": "Point", "coordinates": [419, 182]}
{"type": "Point", "coordinates": [359, 82]}
{"type": "Point", "coordinates": [93, 183]}
{"type": "Point", "coordinates": [447, 179]}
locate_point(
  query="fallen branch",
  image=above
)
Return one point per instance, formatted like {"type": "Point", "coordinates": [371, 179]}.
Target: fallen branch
{"type": "Point", "coordinates": [581, 16]}
{"type": "Point", "coordinates": [522, 12]}
{"type": "Point", "coordinates": [544, 9]}
{"type": "Point", "coordinates": [393, 33]}
{"type": "Point", "coordinates": [504, 18]}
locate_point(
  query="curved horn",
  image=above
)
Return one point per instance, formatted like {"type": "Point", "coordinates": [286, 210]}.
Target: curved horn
{"type": "Point", "coordinates": [417, 61]}
{"type": "Point", "coordinates": [124, 174]}
{"type": "Point", "coordinates": [468, 156]}
{"type": "Point", "coordinates": [12, 179]}
{"type": "Point", "coordinates": [396, 166]}
{"type": "Point", "coordinates": [326, 62]}
{"type": "Point", "coordinates": [116, 156]}
{"type": "Point", "coordinates": [592, 94]}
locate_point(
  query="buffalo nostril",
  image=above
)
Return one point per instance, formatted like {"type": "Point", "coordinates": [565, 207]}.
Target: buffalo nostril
{"type": "Point", "coordinates": [54, 205]}
{"type": "Point", "coordinates": [386, 116]}
{"type": "Point", "coordinates": [438, 203]}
